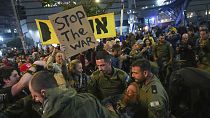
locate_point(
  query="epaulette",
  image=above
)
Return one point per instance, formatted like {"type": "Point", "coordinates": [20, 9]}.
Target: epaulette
{"type": "Point", "coordinates": [154, 89]}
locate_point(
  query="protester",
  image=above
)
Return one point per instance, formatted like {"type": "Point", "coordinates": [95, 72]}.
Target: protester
{"type": "Point", "coordinates": [64, 103]}
{"type": "Point", "coordinates": [76, 78]}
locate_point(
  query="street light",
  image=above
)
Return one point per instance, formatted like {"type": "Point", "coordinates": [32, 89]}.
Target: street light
{"type": "Point", "coordinates": [160, 2]}
{"type": "Point", "coordinates": [97, 1]}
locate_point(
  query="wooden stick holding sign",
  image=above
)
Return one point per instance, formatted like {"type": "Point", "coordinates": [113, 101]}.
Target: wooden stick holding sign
{"type": "Point", "coordinates": [73, 30]}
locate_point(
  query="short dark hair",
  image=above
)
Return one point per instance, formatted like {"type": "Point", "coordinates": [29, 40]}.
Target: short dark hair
{"type": "Point", "coordinates": [161, 34]}
{"type": "Point", "coordinates": [43, 80]}
{"type": "Point", "coordinates": [5, 73]}
{"type": "Point", "coordinates": [203, 28]}
{"type": "Point", "coordinates": [103, 55]}
{"type": "Point", "coordinates": [143, 64]}
{"type": "Point", "coordinates": [116, 47]}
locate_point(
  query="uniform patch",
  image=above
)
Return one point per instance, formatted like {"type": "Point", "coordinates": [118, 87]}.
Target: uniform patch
{"type": "Point", "coordinates": [154, 89]}
{"type": "Point", "coordinates": [154, 104]}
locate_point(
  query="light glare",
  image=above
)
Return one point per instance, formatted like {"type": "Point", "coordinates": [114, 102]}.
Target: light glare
{"type": "Point", "coordinates": [1, 38]}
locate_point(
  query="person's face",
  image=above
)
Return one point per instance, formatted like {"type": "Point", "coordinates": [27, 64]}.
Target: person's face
{"type": "Point", "coordinates": [59, 58]}
{"type": "Point", "coordinates": [190, 33]}
{"type": "Point", "coordinates": [131, 95]}
{"type": "Point", "coordinates": [114, 52]}
{"type": "Point", "coordinates": [147, 42]}
{"type": "Point", "coordinates": [103, 66]}
{"type": "Point", "coordinates": [203, 35]}
{"type": "Point", "coordinates": [162, 38]}
{"type": "Point", "coordinates": [135, 47]}
{"type": "Point", "coordinates": [37, 97]}
{"type": "Point", "coordinates": [13, 79]}
{"type": "Point", "coordinates": [79, 67]}
{"type": "Point", "coordinates": [131, 90]}
{"type": "Point", "coordinates": [137, 74]}
{"type": "Point", "coordinates": [184, 39]}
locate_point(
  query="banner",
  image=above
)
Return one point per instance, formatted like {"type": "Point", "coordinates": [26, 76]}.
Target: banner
{"type": "Point", "coordinates": [103, 26]}
{"type": "Point", "coordinates": [46, 31]}
{"type": "Point", "coordinates": [73, 30]}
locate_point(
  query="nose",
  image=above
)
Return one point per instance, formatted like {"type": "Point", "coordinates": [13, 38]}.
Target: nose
{"type": "Point", "coordinates": [99, 68]}
{"type": "Point", "coordinates": [18, 76]}
{"type": "Point", "coordinates": [132, 75]}
{"type": "Point", "coordinates": [81, 70]}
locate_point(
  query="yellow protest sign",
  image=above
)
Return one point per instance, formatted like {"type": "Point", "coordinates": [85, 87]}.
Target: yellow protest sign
{"type": "Point", "coordinates": [103, 26]}
{"type": "Point", "coordinates": [46, 31]}
{"type": "Point", "coordinates": [73, 30]}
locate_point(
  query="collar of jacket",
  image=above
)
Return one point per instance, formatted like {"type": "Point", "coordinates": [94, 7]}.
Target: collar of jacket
{"type": "Point", "coordinates": [114, 72]}
{"type": "Point", "coordinates": [57, 99]}
{"type": "Point", "coordinates": [145, 85]}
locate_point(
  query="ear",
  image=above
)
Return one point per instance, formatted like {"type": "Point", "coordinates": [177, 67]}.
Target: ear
{"type": "Point", "coordinates": [43, 92]}
{"type": "Point", "coordinates": [145, 73]}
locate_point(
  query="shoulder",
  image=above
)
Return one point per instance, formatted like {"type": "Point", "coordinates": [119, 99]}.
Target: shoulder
{"type": "Point", "coordinates": [95, 74]}
{"type": "Point", "coordinates": [121, 72]}
{"type": "Point", "coordinates": [156, 89]}
{"type": "Point", "coordinates": [157, 96]}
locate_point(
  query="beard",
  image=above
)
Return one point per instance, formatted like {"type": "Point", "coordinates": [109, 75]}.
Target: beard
{"type": "Point", "coordinates": [140, 80]}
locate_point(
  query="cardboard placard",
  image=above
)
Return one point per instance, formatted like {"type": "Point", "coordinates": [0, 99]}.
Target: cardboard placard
{"type": "Point", "coordinates": [103, 26]}
{"type": "Point", "coordinates": [73, 30]}
{"type": "Point", "coordinates": [46, 32]}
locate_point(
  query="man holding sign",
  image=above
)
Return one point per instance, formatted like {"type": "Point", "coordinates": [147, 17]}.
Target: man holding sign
{"type": "Point", "coordinates": [73, 30]}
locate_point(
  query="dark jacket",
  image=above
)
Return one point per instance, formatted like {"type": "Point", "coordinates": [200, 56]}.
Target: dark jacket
{"type": "Point", "coordinates": [78, 82]}
{"type": "Point", "coordinates": [103, 85]}
{"type": "Point", "coordinates": [66, 103]}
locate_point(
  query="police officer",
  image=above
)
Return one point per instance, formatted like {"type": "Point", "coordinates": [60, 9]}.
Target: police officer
{"type": "Point", "coordinates": [163, 55]}
{"type": "Point", "coordinates": [107, 81]}
{"type": "Point", "coordinates": [152, 96]}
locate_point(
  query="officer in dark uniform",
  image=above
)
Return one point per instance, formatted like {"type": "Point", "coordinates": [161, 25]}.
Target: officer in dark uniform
{"type": "Point", "coordinates": [107, 81]}
{"type": "Point", "coordinates": [163, 54]}
{"type": "Point", "coordinates": [152, 96]}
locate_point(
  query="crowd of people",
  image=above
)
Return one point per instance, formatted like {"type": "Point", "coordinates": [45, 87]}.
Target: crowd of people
{"type": "Point", "coordinates": [148, 74]}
